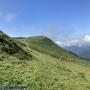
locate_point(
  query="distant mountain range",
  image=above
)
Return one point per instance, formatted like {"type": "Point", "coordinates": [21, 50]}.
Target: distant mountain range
{"type": "Point", "coordinates": [82, 50]}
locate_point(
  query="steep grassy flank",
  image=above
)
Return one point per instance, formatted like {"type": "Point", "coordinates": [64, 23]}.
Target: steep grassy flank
{"type": "Point", "coordinates": [45, 45]}
{"type": "Point", "coordinates": [9, 46]}
{"type": "Point", "coordinates": [46, 73]}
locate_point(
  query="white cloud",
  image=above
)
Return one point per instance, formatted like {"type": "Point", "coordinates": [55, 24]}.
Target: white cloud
{"type": "Point", "coordinates": [56, 32]}
{"type": "Point", "coordinates": [79, 42]}
{"type": "Point", "coordinates": [61, 43]}
{"type": "Point", "coordinates": [9, 17]}
{"type": "Point", "coordinates": [68, 43]}
{"type": "Point", "coordinates": [87, 38]}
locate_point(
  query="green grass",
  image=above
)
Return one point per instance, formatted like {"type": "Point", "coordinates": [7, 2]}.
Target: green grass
{"type": "Point", "coordinates": [45, 45]}
{"type": "Point", "coordinates": [46, 73]}
{"type": "Point", "coordinates": [51, 67]}
{"type": "Point", "coordinates": [10, 47]}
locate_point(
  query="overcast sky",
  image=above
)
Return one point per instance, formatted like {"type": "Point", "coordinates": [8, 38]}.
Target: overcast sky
{"type": "Point", "coordinates": [61, 20]}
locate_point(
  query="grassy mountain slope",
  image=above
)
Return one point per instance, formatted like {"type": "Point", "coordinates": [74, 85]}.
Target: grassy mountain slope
{"type": "Point", "coordinates": [46, 73]}
{"type": "Point", "coordinates": [51, 68]}
{"type": "Point", "coordinates": [9, 46]}
{"type": "Point", "coordinates": [47, 46]}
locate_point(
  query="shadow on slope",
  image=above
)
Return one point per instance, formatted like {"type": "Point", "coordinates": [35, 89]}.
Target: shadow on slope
{"type": "Point", "coordinates": [10, 46]}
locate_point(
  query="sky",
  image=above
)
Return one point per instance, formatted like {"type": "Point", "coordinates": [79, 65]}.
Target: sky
{"type": "Point", "coordinates": [61, 20]}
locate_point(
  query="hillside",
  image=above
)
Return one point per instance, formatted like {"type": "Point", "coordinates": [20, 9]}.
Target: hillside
{"type": "Point", "coordinates": [9, 46]}
{"type": "Point", "coordinates": [51, 67]}
{"type": "Point", "coordinates": [47, 46]}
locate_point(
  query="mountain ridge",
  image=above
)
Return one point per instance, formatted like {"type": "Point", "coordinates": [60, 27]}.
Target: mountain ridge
{"type": "Point", "coordinates": [82, 51]}
{"type": "Point", "coordinates": [45, 45]}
